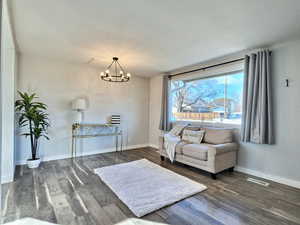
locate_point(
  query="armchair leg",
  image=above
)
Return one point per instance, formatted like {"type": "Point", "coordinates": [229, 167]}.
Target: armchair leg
{"type": "Point", "coordinates": [231, 169]}
{"type": "Point", "coordinates": [213, 176]}
{"type": "Point", "coordinates": [162, 158]}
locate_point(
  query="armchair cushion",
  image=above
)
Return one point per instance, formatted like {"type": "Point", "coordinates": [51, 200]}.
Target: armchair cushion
{"type": "Point", "coordinates": [197, 151]}
{"type": "Point", "coordinates": [203, 151]}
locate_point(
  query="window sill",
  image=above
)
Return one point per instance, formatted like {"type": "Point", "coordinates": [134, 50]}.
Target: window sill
{"type": "Point", "coordinates": [209, 124]}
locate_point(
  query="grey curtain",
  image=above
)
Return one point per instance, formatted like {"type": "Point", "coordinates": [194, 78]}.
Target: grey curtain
{"type": "Point", "coordinates": [257, 123]}
{"type": "Point", "coordinates": [165, 123]}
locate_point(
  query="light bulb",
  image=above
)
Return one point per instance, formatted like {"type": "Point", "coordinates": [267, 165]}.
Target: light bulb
{"type": "Point", "coordinates": [128, 75]}
{"type": "Point", "coordinates": [102, 74]}
{"type": "Point", "coordinates": [106, 71]}
{"type": "Point", "coordinates": [121, 72]}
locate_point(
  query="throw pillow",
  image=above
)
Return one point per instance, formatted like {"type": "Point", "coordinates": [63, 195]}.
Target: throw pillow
{"type": "Point", "coordinates": [218, 136]}
{"type": "Point", "coordinates": [194, 128]}
{"type": "Point", "coordinates": [176, 131]}
{"type": "Point", "coordinates": [192, 136]}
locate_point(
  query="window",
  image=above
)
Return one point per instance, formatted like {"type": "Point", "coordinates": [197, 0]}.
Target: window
{"type": "Point", "coordinates": [215, 99]}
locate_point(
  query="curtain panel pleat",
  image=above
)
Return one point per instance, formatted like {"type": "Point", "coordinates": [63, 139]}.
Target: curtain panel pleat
{"type": "Point", "coordinates": [257, 119]}
{"type": "Point", "coordinates": [165, 120]}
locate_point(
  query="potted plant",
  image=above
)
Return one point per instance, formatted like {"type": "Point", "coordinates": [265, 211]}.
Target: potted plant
{"type": "Point", "coordinates": [33, 116]}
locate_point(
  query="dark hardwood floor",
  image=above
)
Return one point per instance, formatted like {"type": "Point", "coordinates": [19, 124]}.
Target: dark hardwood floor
{"type": "Point", "coordinates": [68, 193]}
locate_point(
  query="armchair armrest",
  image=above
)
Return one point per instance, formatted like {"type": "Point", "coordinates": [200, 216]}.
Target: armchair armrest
{"type": "Point", "coordinates": [160, 142]}
{"type": "Point", "coordinates": [223, 148]}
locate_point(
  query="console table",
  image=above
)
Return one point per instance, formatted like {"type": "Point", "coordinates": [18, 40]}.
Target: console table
{"type": "Point", "coordinates": [80, 130]}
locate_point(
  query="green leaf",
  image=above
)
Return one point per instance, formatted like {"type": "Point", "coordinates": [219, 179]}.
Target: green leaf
{"type": "Point", "coordinates": [32, 113]}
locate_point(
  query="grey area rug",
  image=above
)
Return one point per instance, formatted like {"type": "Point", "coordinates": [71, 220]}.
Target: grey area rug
{"type": "Point", "coordinates": [145, 186]}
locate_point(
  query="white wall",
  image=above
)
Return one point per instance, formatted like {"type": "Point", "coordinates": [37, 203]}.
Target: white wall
{"type": "Point", "coordinates": [58, 83]}
{"type": "Point", "coordinates": [279, 162]}
{"type": "Point", "coordinates": [8, 76]}
{"type": "Point", "coordinates": [0, 112]}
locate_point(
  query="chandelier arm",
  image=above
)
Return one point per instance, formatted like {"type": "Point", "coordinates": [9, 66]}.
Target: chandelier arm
{"type": "Point", "coordinates": [121, 67]}
{"type": "Point", "coordinates": [115, 77]}
{"type": "Point", "coordinates": [126, 79]}
{"type": "Point", "coordinates": [116, 69]}
{"type": "Point", "coordinates": [110, 65]}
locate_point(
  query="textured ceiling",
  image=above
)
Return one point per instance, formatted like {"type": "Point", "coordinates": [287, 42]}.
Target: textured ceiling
{"type": "Point", "coordinates": [150, 36]}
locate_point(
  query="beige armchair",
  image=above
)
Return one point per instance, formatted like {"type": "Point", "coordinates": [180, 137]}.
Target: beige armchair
{"type": "Point", "coordinates": [217, 153]}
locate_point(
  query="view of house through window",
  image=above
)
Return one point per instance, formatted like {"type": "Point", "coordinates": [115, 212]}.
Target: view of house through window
{"type": "Point", "coordinates": [214, 99]}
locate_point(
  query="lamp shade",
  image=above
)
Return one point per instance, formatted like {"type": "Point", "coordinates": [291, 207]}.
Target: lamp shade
{"type": "Point", "coordinates": [79, 104]}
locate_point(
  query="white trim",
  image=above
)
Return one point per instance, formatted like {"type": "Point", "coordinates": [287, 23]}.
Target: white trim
{"type": "Point", "coordinates": [6, 179]}
{"type": "Point", "coordinates": [281, 180]}
{"type": "Point", "coordinates": [208, 124]}
{"type": "Point", "coordinates": [98, 151]}
{"type": "Point", "coordinates": [10, 26]}
{"type": "Point", "coordinates": [153, 145]}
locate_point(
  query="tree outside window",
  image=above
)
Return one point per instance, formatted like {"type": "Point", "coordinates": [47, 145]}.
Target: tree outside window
{"type": "Point", "coordinates": [215, 99]}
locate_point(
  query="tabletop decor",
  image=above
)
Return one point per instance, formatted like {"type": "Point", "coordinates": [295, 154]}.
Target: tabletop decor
{"type": "Point", "coordinates": [115, 119]}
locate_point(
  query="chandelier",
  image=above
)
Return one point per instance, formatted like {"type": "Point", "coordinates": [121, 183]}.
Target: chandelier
{"type": "Point", "coordinates": [115, 72]}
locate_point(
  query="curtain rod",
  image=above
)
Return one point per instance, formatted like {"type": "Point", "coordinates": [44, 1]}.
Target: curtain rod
{"type": "Point", "coordinates": [207, 67]}
{"type": "Point", "coordinates": [211, 66]}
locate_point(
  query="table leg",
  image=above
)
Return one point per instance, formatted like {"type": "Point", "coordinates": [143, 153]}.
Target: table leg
{"type": "Point", "coordinates": [117, 143]}
{"type": "Point", "coordinates": [121, 142]}
{"type": "Point", "coordinates": [72, 150]}
{"type": "Point", "coordinates": [75, 147]}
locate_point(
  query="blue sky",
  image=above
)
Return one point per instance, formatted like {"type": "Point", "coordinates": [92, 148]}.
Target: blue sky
{"type": "Point", "coordinates": [234, 85]}
{"type": "Point", "coordinates": [213, 88]}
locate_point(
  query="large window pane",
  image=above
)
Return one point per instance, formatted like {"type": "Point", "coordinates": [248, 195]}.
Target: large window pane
{"type": "Point", "coordinates": [216, 99]}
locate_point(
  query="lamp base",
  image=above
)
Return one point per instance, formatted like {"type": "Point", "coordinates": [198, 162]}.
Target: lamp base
{"type": "Point", "coordinates": [78, 117]}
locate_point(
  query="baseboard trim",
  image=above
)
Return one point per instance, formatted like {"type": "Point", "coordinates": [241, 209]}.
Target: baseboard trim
{"type": "Point", "coordinates": [6, 179]}
{"type": "Point", "coordinates": [67, 156]}
{"type": "Point", "coordinates": [281, 180]}
{"type": "Point", "coordinates": [153, 146]}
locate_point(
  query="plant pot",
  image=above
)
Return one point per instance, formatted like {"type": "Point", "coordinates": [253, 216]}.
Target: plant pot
{"type": "Point", "coordinates": [33, 163]}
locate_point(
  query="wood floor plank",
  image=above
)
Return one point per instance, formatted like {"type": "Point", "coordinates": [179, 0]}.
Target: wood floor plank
{"type": "Point", "coordinates": [214, 210]}
{"type": "Point", "coordinates": [24, 195]}
{"type": "Point", "coordinates": [155, 217]}
{"type": "Point", "coordinates": [68, 192]}
{"type": "Point", "coordinates": [63, 210]}
{"type": "Point", "coordinates": [192, 216]}
{"type": "Point", "coordinates": [114, 213]}
{"type": "Point", "coordinates": [93, 207]}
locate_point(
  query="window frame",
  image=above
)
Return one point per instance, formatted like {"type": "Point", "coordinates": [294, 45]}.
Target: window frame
{"type": "Point", "coordinates": [205, 123]}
